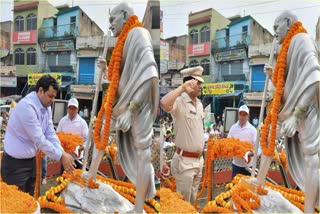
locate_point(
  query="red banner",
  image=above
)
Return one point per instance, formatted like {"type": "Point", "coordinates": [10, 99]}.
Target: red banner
{"type": "Point", "coordinates": [199, 49]}
{"type": "Point", "coordinates": [24, 37]}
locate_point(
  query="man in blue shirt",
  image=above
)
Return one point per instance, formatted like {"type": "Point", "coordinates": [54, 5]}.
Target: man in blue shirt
{"type": "Point", "coordinates": [29, 130]}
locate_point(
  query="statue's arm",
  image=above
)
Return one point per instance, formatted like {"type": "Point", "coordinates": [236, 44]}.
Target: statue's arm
{"type": "Point", "coordinates": [124, 121]}
{"type": "Point", "coordinates": [289, 126]}
{"type": "Point", "coordinates": [305, 100]}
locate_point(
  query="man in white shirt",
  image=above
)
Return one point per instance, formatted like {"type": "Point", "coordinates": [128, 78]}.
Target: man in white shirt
{"type": "Point", "coordinates": [244, 131]}
{"type": "Point", "coordinates": [73, 123]}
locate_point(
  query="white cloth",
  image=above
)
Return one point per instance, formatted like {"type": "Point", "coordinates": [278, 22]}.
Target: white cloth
{"type": "Point", "coordinates": [167, 144]}
{"type": "Point", "coordinates": [246, 133]}
{"type": "Point", "coordinates": [76, 126]}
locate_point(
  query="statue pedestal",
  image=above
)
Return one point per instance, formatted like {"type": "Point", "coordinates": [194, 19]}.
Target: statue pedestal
{"type": "Point", "coordinates": [274, 202]}
{"type": "Point", "coordinates": [101, 200]}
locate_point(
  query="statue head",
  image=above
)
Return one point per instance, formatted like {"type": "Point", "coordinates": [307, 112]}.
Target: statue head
{"type": "Point", "coordinates": [119, 16]}
{"type": "Point", "coordinates": [282, 25]}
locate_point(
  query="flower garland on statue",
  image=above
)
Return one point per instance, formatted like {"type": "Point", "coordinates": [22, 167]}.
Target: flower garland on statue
{"type": "Point", "coordinates": [278, 79]}
{"type": "Point", "coordinates": [69, 141]}
{"type": "Point", "coordinates": [53, 206]}
{"type": "Point", "coordinates": [244, 197]}
{"type": "Point", "coordinates": [226, 147]}
{"type": "Point", "coordinates": [113, 76]}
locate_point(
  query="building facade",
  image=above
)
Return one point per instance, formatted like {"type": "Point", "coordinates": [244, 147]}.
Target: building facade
{"type": "Point", "coordinates": [8, 79]}
{"type": "Point", "coordinates": [70, 43]}
{"type": "Point", "coordinates": [240, 52]}
{"type": "Point", "coordinates": [202, 27]}
{"type": "Point", "coordinates": [173, 60]}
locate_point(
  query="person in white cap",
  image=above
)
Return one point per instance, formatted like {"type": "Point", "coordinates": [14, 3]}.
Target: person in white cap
{"type": "Point", "coordinates": [73, 123]}
{"type": "Point", "coordinates": [244, 131]}
{"type": "Point", "coordinates": [187, 112]}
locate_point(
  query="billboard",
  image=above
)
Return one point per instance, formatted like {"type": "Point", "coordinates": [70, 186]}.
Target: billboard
{"type": "Point", "coordinates": [230, 55]}
{"type": "Point", "coordinates": [24, 37]}
{"type": "Point", "coordinates": [164, 51]}
{"type": "Point", "coordinates": [199, 49]}
{"type": "Point", "coordinates": [34, 77]}
{"type": "Point", "coordinates": [218, 88]}
{"type": "Point", "coordinates": [61, 45]}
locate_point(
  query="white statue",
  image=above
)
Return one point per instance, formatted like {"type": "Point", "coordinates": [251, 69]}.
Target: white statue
{"type": "Point", "coordinates": [298, 117]}
{"type": "Point", "coordinates": [135, 107]}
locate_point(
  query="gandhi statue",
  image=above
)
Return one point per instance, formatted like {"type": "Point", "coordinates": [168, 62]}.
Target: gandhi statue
{"type": "Point", "coordinates": [135, 107]}
{"type": "Point", "coordinates": [299, 109]}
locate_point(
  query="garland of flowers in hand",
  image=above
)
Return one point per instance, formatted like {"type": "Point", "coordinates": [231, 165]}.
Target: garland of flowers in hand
{"type": "Point", "coordinates": [226, 147]}
{"type": "Point", "coordinates": [278, 78]}
{"type": "Point", "coordinates": [113, 76]}
{"type": "Point", "coordinates": [69, 141]}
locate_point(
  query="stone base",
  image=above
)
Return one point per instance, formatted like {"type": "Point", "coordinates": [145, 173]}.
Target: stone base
{"type": "Point", "coordinates": [101, 200]}
{"type": "Point", "coordinates": [274, 202]}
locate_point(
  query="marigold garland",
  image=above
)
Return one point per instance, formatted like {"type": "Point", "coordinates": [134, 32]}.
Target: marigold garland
{"type": "Point", "coordinates": [15, 201]}
{"type": "Point", "coordinates": [172, 202]}
{"type": "Point", "coordinates": [226, 147]}
{"type": "Point", "coordinates": [69, 141]}
{"type": "Point", "coordinates": [278, 78]}
{"type": "Point", "coordinates": [54, 206]}
{"type": "Point", "coordinates": [113, 76]}
{"type": "Point", "coordinates": [245, 199]}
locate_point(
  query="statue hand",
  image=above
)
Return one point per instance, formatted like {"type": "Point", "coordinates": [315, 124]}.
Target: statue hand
{"type": "Point", "coordinates": [289, 126]}
{"type": "Point", "coordinates": [124, 121]}
{"type": "Point", "coordinates": [267, 69]}
{"type": "Point", "coordinates": [189, 86]}
{"type": "Point", "coordinates": [101, 63]}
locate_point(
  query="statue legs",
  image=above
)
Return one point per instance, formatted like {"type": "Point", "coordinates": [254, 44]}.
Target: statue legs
{"type": "Point", "coordinates": [96, 160]}
{"type": "Point", "coordinates": [312, 182]}
{"type": "Point", "coordinates": [264, 167]}
{"type": "Point", "coordinates": [143, 180]}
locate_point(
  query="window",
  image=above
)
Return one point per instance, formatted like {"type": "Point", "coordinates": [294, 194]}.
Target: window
{"type": "Point", "coordinates": [244, 28]}
{"type": "Point", "coordinates": [19, 24]}
{"type": "Point", "coordinates": [31, 22]}
{"type": "Point", "coordinates": [205, 34]}
{"type": "Point", "coordinates": [244, 34]}
{"type": "Point", "coordinates": [72, 24]}
{"type": "Point", "coordinates": [72, 20]}
{"type": "Point", "coordinates": [155, 17]}
{"type": "Point", "coordinates": [194, 37]}
{"type": "Point", "coordinates": [194, 63]}
{"type": "Point", "coordinates": [31, 56]}
{"type": "Point", "coordinates": [19, 56]}
{"type": "Point", "coordinates": [205, 63]}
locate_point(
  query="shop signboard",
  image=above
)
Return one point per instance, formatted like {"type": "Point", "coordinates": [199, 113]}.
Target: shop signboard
{"type": "Point", "coordinates": [218, 88]}
{"type": "Point", "coordinates": [61, 45]}
{"type": "Point", "coordinates": [34, 77]}
{"type": "Point", "coordinates": [230, 55]}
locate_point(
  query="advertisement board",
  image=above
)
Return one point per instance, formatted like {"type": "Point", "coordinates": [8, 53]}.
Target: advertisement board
{"type": "Point", "coordinates": [218, 88]}
{"type": "Point", "coordinates": [34, 77]}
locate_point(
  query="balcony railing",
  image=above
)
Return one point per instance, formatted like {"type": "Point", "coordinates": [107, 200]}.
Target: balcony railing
{"type": "Point", "coordinates": [69, 31]}
{"type": "Point", "coordinates": [231, 41]}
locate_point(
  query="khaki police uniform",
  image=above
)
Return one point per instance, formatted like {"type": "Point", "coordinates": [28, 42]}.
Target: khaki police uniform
{"type": "Point", "coordinates": [187, 162]}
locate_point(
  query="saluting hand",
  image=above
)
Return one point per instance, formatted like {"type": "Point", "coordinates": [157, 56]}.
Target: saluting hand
{"type": "Point", "coordinates": [190, 86]}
